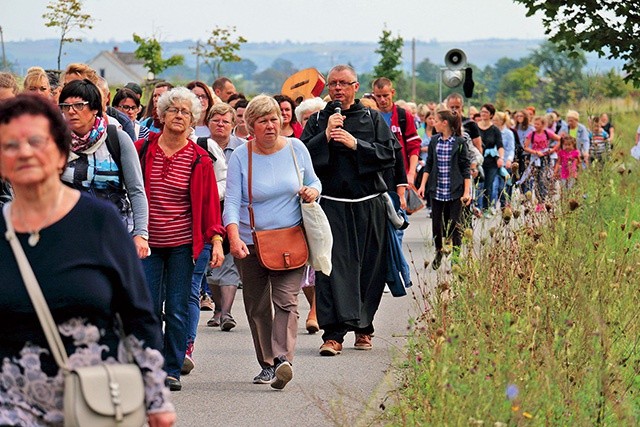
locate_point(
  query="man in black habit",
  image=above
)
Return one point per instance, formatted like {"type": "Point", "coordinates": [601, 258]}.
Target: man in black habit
{"type": "Point", "coordinates": [350, 146]}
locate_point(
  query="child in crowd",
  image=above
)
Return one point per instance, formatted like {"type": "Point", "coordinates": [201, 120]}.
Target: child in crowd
{"type": "Point", "coordinates": [566, 169]}
{"type": "Point", "coordinates": [599, 138]}
{"type": "Point", "coordinates": [540, 145]}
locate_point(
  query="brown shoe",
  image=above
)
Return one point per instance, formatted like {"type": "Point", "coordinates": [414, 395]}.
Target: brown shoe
{"type": "Point", "coordinates": [363, 342]}
{"type": "Point", "coordinates": [206, 304]}
{"type": "Point", "coordinates": [330, 348]}
{"type": "Point", "coordinates": [312, 326]}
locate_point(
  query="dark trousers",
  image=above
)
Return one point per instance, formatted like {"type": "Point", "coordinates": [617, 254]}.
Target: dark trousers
{"type": "Point", "coordinates": [445, 221]}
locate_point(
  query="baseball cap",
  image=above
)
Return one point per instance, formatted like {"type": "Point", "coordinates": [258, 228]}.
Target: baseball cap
{"type": "Point", "coordinates": [134, 87]}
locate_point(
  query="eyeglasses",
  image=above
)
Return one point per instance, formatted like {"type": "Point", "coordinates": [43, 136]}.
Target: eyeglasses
{"type": "Point", "coordinates": [128, 107]}
{"type": "Point", "coordinates": [36, 142]}
{"type": "Point", "coordinates": [176, 111]}
{"type": "Point", "coordinates": [202, 96]}
{"type": "Point", "coordinates": [77, 106]}
{"type": "Point", "coordinates": [340, 83]}
{"type": "Point", "coordinates": [220, 122]}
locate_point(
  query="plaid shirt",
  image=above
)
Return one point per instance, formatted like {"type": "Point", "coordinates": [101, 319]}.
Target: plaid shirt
{"type": "Point", "coordinates": [443, 156]}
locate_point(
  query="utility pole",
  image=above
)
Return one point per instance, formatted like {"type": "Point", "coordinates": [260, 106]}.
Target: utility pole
{"type": "Point", "coordinates": [4, 56]}
{"type": "Point", "coordinates": [413, 69]}
{"type": "Point", "coordinates": [198, 60]}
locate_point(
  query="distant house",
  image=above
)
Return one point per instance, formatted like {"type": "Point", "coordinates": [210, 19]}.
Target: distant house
{"type": "Point", "coordinates": [119, 68]}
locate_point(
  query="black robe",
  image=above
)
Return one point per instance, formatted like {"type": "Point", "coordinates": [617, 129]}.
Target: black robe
{"type": "Point", "coordinates": [352, 294]}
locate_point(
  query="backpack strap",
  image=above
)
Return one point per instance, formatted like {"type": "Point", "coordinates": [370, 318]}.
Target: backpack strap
{"type": "Point", "coordinates": [402, 121]}
{"type": "Point", "coordinates": [203, 142]}
{"type": "Point", "coordinates": [113, 145]}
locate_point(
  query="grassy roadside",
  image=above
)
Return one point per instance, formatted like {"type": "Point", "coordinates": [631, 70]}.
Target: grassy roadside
{"type": "Point", "coordinates": [543, 327]}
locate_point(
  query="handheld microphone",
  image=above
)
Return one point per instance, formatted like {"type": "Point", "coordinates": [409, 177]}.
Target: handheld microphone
{"type": "Point", "coordinates": [337, 107]}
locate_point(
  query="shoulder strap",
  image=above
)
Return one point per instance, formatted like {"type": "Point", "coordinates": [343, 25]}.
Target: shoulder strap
{"type": "Point", "coordinates": [402, 121]}
{"type": "Point", "coordinates": [113, 144]}
{"type": "Point", "coordinates": [203, 142]}
{"type": "Point", "coordinates": [252, 221]}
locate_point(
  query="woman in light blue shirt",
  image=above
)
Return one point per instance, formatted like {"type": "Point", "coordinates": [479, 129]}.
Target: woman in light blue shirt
{"type": "Point", "coordinates": [270, 297]}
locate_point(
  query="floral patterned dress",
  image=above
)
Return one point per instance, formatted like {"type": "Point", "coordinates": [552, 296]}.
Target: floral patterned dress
{"type": "Point", "coordinates": [88, 270]}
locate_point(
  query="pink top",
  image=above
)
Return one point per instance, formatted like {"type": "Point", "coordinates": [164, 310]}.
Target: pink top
{"type": "Point", "coordinates": [542, 140]}
{"type": "Point", "coordinates": [568, 163]}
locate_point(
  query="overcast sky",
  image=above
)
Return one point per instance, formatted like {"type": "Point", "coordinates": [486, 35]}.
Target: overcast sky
{"type": "Point", "coordinates": [280, 20]}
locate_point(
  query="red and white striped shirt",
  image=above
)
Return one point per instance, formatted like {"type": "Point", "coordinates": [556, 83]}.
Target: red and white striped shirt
{"type": "Point", "coordinates": [169, 198]}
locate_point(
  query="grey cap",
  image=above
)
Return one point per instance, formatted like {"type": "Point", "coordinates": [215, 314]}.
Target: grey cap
{"type": "Point", "coordinates": [134, 87]}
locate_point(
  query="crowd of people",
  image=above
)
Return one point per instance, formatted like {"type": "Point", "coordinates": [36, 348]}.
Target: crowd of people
{"type": "Point", "coordinates": [181, 173]}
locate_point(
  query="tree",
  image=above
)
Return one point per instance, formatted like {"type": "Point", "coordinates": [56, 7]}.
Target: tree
{"type": "Point", "coordinates": [390, 50]}
{"type": "Point", "coordinates": [220, 47]}
{"type": "Point", "coordinates": [67, 16]}
{"type": "Point", "coordinates": [610, 28]}
{"type": "Point", "coordinates": [427, 71]}
{"type": "Point", "coordinates": [245, 67]}
{"type": "Point", "coordinates": [150, 51]}
{"type": "Point", "coordinates": [520, 83]}
{"type": "Point", "coordinates": [563, 72]}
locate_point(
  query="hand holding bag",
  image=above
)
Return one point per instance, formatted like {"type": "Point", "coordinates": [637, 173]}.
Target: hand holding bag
{"type": "Point", "coordinates": [280, 249]}
{"type": "Point", "coordinates": [96, 396]}
{"type": "Point", "coordinates": [317, 230]}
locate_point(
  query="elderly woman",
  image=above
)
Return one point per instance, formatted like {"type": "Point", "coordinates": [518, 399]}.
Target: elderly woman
{"type": "Point", "coordinates": [86, 267]}
{"type": "Point", "coordinates": [270, 297]}
{"type": "Point", "coordinates": [128, 102]}
{"type": "Point", "coordinates": [103, 161]}
{"type": "Point", "coordinates": [202, 91]}
{"type": "Point", "coordinates": [579, 132]}
{"type": "Point", "coordinates": [184, 214]}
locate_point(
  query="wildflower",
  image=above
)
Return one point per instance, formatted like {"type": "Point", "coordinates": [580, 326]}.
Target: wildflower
{"type": "Point", "coordinates": [512, 391]}
{"type": "Point", "coordinates": [527, 415]}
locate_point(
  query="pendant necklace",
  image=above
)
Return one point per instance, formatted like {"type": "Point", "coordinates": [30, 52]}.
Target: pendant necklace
{"type": "Point", "coordinates": [34, 235]}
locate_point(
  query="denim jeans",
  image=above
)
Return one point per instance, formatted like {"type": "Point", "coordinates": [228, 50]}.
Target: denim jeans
{"type": "Point", "coordinates": [197, 280]}
{"type": "Point", "coordinates": [168, 272]}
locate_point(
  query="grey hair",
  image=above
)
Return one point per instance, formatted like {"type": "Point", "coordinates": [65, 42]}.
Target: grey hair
{"type": "Point", "coordinates": [344, 67]}
{"type": "Point", "coordinates": [260, 106]}
{"type": "Point", "coordinates": [311, 104]}
{"type": "Point", "coordinates": [179, 94]}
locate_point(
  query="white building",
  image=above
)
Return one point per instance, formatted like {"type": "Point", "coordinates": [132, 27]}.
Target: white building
{"type": "Point", "coordinates": [119, 68]}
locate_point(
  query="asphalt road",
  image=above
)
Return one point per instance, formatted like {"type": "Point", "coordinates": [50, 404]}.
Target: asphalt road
{"type": "Point", "coordinates": [342, 390]}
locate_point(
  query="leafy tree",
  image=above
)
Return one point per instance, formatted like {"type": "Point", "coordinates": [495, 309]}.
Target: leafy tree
{"type": "Point", "coordinates": [427, 71]}
{"type": "Point", "coordinates": [150, 51]}
{"type": "Point", "coordinates": [245, 67]}
{"type": "Point", "coordinates": [520, 83]}
{"type": "Point", "coordinates": [390, 50]}
{"type": "Point", "coordinates": [284, 66]}
{"type": "Point", "coordinates": [269, 80]}
{"type": "Point", "coordinates": [610, 28]}
{"type": "Point", "coordinates": [221, 47]}
{"type": "Point", "coordinates": [67, 16]}
{"type": "Point", "coordinates": [562, 71]}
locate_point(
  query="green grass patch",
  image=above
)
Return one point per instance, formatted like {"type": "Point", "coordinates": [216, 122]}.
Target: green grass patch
{"type": "Point", "coordinates": [542, 325]}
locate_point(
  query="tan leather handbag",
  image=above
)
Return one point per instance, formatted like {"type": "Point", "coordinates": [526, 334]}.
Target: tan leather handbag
{"type": "Point", "coordinates": [102, 395]}
{"type": "Point", "coordinates": [279, 249]}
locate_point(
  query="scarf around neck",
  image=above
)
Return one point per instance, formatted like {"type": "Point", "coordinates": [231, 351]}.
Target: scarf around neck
{"type": "Point", "coordinates": [82, 143]}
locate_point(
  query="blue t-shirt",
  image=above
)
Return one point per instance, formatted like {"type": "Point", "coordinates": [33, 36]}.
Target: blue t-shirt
{"type": "Point", "coordinates": [387, 117]}
{"type": "Point", "coordinates": [275, 187]}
